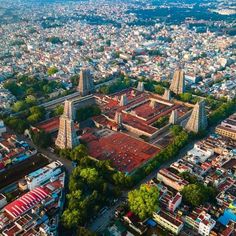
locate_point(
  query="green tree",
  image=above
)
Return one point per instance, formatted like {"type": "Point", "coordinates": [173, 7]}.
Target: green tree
{"type": "Point", "coordinates": [78, 153]}
{"type": "Point", "coordinates": [34, 118]}
{"type": "Point", "coordinates": [121, 179]}
{"type": "Point", "coordinates": [74, 80]}
{"type": "Point", "coordinates": [31, 100]}
{"type": "Point", "coordinates": [159, 89]}
{"type": "Point", "coordinates": [13, 88]}
{"type": "Point", "coordinates": [197, 194]}
{"type": "Point", "coordinates": [144, 201]}
{"type": "Point", "coordinates": [176, 129]}
{"type": "Point", "coordinates": [185, 97]}
{"type": "Point", "coordinates": [52, 70]}
{"type": "Point", "coordinates": [82, 231]}
{"type": "Point", "coordinates": [30, 91]}
{"type": "Point", "coordinates": [222, 112]}
{"type": "Point", "coordinates": [58, 110]}
{"type": "Point", "coordinates": [36, 114]}
{"type": "Point", "coordinates": [162, 121]}
{"type": "Point", "coordinates": [90, 175]}
{"type": "Point", "coordinates": [71, 218]}
{"type": "Point", "coordinates": [189, 177]}
{"type": "Point", "coordinates": [47, 89]}
{"type": "Point", "coordinates": [41, 138]}
{"type": "Point", "coordinates": [17, 124]}
{"type": "Point", "coordinates": [87, 112]}
{"type": "Point", "coordinates": [19, 106]}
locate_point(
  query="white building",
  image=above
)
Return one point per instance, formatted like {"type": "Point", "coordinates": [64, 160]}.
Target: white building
{"type": "Point", "coordinates": [175, 202]}
{"type": "Point", "coordinates": [199, 154]}
{"type": "Point", "coordinates": [42, 175]}
{"type": "Point", "coordinates": [206, 224]}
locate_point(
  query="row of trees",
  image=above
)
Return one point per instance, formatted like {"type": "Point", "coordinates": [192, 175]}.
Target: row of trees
{"type": "Point", "coordinates": [89, 190]}
{"type": "Point", "coordinates": [17, 124]}
{"type": "Point", "coordinates": [41, 138]}
{"type": "Point", "coordinates": [181, 138]}
{"type": "Point", "coordinates": [23, 121]}
{"type": "Point", "coordinates": [187, 97]}
{"type": "Point", "coordinates": [157, 87]}
{"type": "Point", "coordinates": [222, 112]}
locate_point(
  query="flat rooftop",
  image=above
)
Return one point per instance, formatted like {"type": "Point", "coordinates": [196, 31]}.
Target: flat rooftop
{"type": "Point", "coordinates": [44, 170]}
{"type": "Point", "coordinates": [126, 153]}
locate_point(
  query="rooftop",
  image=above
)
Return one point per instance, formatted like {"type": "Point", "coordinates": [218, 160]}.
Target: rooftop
{"type": "Point", "coordinates": [126, 153]}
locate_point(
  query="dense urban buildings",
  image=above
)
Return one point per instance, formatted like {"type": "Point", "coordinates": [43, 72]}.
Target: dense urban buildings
{"type": "Point", "coordinates": [117, 117]}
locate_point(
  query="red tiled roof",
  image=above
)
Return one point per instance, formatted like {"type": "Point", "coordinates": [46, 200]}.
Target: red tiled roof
{"type": "Point", "coordinates": [125, 152]}
{"type": "Point", "coordinates": [49, 125]}
{"type": "Point", "coordinates": [24, 203]}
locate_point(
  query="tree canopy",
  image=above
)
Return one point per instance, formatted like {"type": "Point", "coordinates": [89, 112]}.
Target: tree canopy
{"type": "Point", "coordinates": [41, 139]}
{"type": "Point", "coordinates": [52, 70]}
{"type": "Point", "coordinates": [119, 85]}
{"type": "Point", "coordinates": [87, 112]}
{"type": "Point", "coordinates": [144, 201]}
{"type": "Point", "coordinates": [197, 194]}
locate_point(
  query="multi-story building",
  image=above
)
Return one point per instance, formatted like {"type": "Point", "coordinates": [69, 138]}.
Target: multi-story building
{"type": "Point", "coordinates": [227, 127]}
{"type": "Point", "coordinates": [206, 224]}
{"type": "Point", "coordinates": [174, 202]}
{"type": "Point", "coordinates": [168, 221]}
{"type": "Point", "coordinates": [36, 212]}
{"type": "Point", "coordinates": [44, 174]}
{"type": "Point", "coordinates": [200, 221]}
{"type": "Point", "coordinates": [171, 179]}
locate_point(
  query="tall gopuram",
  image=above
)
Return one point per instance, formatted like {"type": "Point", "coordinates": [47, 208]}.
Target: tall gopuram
{"type": "Point", "coordinates": [86, 85]}
{"type": "Point", "coordinates": [67, 137]}
{"type": "Point", "coordinates": [178, 83]}
{"type": "Point", "coordinates": [198, 118]}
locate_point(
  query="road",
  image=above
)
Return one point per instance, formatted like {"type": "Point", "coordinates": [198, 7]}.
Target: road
{"type": "Point", "coordinates": [103, 221]}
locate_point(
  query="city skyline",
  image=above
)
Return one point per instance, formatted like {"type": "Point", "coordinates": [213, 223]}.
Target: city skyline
{"type": "Point", "coordinates": [117, 117]}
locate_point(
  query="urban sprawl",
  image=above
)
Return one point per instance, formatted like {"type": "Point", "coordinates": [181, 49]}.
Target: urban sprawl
{"type": "Point", "coordinates": [117, 118]}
